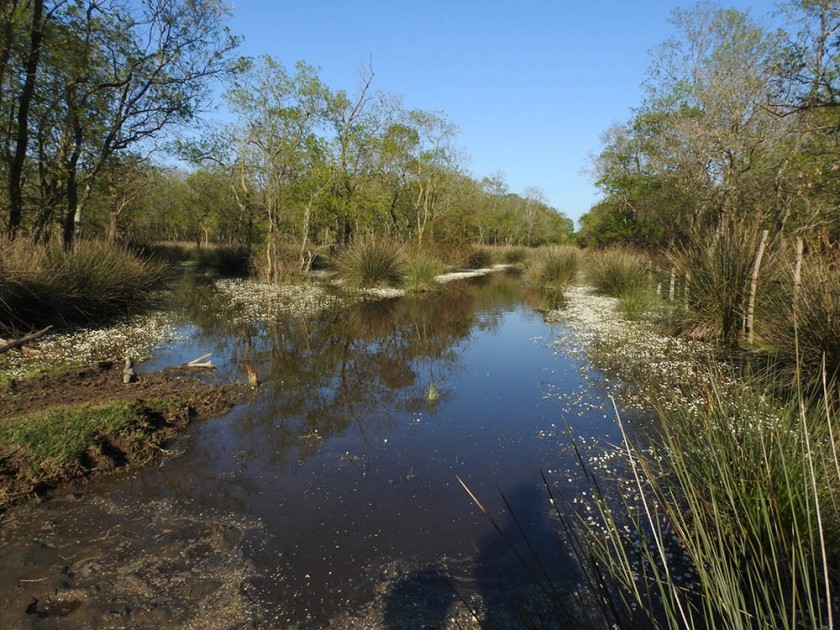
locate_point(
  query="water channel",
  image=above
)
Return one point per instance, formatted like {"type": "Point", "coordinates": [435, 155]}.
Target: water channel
{"type": "Point", "coordinates": [331, 495]}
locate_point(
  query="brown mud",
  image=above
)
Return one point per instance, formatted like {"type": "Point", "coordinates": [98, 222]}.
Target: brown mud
{"type": "Point", "coordinates": [97, 384]}
{"type": "Point", "coordinates": [90, 563]}
{"type": "Point", "coordinates": [81, 561]}
{"type": "Point", "coordinates": [170, 401]}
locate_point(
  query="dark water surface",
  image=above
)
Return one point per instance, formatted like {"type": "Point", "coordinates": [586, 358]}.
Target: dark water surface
{"type": "Point", "coordinates": [338, 477]}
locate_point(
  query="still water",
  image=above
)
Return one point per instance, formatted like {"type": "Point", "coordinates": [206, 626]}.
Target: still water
{"type": "Point", "coordinates": [345, 462]}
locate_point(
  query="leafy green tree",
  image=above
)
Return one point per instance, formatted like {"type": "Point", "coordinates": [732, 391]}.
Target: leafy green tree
{"type": "Point", "coordinates": [100, 77]}
{"type": "Point", "coordinates": [280, 115]}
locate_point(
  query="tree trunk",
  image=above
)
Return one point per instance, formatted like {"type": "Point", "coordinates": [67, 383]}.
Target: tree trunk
{"type": "Point", "coordinates": [24, 101]}
{"type": "Point", "coordinates": [72, 202]}
{"type": "Point", "coordinates": [72, 175]}
{"type": "Point", "coordinates": [754, 286]}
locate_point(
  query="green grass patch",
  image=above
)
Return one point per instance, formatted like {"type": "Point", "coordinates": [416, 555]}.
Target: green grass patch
{"type": "Point", "coordinates": [41, 450]}
{"type": "Point", "coordinates": [54, 444]}
{"type": "Point", "coordinates": [638, 303]}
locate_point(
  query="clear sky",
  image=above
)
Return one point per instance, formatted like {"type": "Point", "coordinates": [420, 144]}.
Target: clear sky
{"type": "Point", "coordinates": [531, 84]}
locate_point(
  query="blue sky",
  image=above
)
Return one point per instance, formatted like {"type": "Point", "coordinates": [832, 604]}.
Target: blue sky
{"type": "Point", "coordinates": [530, 84]}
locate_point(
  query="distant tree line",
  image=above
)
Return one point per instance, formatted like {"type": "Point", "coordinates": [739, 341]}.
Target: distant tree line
{"type": "Point", "coordinates": [316, 166]}
{"type": "Point", "coordinates": [89, 89]}
{"type": "Point", "coordinates": [740, 123]}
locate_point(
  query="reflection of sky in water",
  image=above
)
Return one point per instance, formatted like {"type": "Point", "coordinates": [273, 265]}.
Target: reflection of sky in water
{"type": "Point", "coordinates": [353, 472]}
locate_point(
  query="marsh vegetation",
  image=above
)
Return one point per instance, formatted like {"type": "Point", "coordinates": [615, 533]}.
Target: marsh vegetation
{"type": "Point", "coordinates": [309, 242]}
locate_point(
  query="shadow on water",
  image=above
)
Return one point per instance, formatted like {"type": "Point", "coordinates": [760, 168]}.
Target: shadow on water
{"type": "Point", "coordinates": [419, 600]}
{"type": "Point", "coordinates": [522, 572]}
{"type": "Point", "coordinates": [521, 576]}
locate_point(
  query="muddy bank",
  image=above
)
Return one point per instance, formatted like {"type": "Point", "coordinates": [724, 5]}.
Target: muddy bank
{"type": "Point", "coordinates": [98, 564]}
{"type": "Point", "coordinates": [160, 405]}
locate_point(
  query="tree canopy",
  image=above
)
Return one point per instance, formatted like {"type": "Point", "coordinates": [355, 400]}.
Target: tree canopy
{"type": "Point", "coordinates": [739, 122]}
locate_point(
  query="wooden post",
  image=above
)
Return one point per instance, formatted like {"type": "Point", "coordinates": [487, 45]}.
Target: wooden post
{"type": "Point", "coordinates": [754, 285]}
{"type": "Point", "coordinates": [797, 278]}
{"type": "Point", "coordinates": [673, 284]}
{"type": "Point", "coordinates": [685, 288]}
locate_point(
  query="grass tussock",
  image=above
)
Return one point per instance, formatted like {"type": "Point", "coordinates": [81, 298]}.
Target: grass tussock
{"type": "Point", "coordinates": [807, 318]}
{"type": "Point", "coordinates": [92, 282]}
{"type": "Point", "coordinates": [421, 273]}
{"type": "Point", "coordinates": [616, 271]}
{"type": "Point", "coordinates": [554, 267]}
{"type": "Point", "coordinates": [733, 520]}
{"type": "Point", "coordinates": [478, 258]}
{"type": "Point", "coordinates": [717, 269]}
{"type": "Point", "coordinates": [515, 255]}
{"type": "Point", "coordinates": [372, 263]}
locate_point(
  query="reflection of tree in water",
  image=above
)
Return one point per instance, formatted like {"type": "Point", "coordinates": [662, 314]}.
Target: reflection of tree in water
{"type": "Point", "coordinates": [356, 365]}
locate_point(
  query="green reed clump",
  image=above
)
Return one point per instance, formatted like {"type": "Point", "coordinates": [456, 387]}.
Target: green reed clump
{"type": "Point", "coordinates": [372, 263]}
{"type": "Point", "coordinates": [478, 258]}
{"type": "Point", "coordinates": [92, 282]}
{"type": "Point", "coordinates": [733, 521]}
{"type": "Point", "coordinates": [421, 272]}
{"type": "Point", "coordinates": [555, 266]}
{"type": "Point", "coordinates": [616, 271]}
{"type": "Point", "coordinates": [807, 317]}
{"type": "Point", "coordinates": [717, 267]}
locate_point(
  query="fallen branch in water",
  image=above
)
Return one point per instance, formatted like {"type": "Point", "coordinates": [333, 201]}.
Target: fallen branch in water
{"type": "Point", "coordinates": [199, 363]}
{"type": "Point", "coordinates": [14, 343]}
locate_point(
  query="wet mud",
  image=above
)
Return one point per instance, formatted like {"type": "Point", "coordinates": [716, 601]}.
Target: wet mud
{"type": "Point", "coordinates": [90, 563]}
